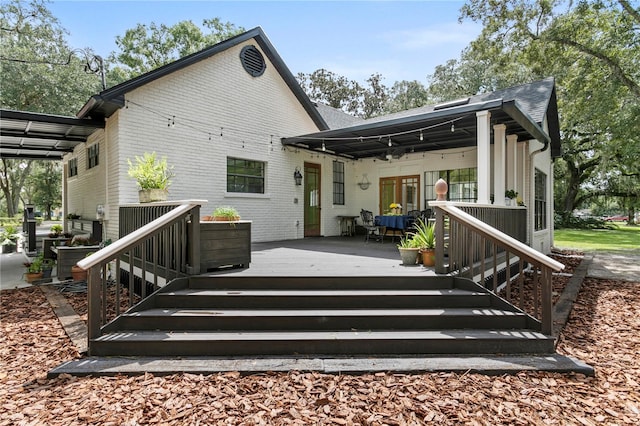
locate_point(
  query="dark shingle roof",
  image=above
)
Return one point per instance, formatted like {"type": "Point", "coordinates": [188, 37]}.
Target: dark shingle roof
{"type": "Point", "coordinates": [336, 118]}
{"type": "Point", "coordinates": [532, 98]}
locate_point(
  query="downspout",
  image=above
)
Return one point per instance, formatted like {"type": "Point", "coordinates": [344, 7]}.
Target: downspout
{"type": "Point", "coordinates": [532, 193]}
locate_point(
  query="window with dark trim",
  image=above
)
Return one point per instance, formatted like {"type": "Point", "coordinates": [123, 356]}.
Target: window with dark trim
{"type": "Point", "coordinates": [73, 167]}
{"type": "Point", "coordinates": [93, 155]}
{"type": "Point", "coordinates": [245, 176]}
{"type": "Point", "coordinates": [463, 184]}
{"type": "Point", "coordinates": [338, 182]}
{"type": "Point", "coordinates": [540, 200]}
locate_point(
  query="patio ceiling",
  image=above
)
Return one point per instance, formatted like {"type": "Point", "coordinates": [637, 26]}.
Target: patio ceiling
{"type": "Point", "coordinates": [371, 139]}
{"type": "Point", "coordinates": [37, 136]}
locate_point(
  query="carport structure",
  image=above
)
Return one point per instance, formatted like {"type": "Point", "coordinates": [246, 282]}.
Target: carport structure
{"type": "Point", "coordinates": [35, 136]}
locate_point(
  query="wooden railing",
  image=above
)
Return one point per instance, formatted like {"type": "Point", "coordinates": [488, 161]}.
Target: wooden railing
{"type": "Point", "coordinates": [510, 220]}
{"type": "Point", "coordinates": [140, 255]}
{"type": "Point", "coordinates": [477, 250]}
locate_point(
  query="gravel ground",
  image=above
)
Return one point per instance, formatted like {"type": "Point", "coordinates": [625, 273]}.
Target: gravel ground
{"type": "Point", "coordinates": [603, 330]}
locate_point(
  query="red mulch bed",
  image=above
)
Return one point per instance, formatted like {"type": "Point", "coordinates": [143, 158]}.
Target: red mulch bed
{"type": "Point", "coordinates": [603, 330]}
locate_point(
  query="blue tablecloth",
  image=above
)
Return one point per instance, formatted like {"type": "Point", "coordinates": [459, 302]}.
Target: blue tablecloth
{"type": "Point", "coordinates": [394, 221]}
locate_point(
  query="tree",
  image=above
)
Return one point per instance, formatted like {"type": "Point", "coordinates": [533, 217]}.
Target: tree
{"type": "Point", "coordinates": [39, 73]}
{"type": "Point", "coordinates": [44, 186]}
{"type": "Point", "coordinates": [405, 95]}
{"type": "Point", "coordinates": [147, 47]}
{"type": "Point", "coordinates": [13, 176]}
{"type": "Point", "coordinates": [348, 95]}
{"type": "Point", "coordinates": [591, 47]}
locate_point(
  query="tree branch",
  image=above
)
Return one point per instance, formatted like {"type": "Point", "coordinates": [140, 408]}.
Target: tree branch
{"type": "Point", "coordinates": [630, 10]}
{"type": "Point", "coordinates": [615, 67]}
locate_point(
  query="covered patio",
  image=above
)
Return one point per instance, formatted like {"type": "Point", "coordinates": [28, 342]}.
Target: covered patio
{"type": "Point", "coordinates": [496, 124]}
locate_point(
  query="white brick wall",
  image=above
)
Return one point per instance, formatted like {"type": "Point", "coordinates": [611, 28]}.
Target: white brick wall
{"type": "Point", "coordinates": [88, 188]}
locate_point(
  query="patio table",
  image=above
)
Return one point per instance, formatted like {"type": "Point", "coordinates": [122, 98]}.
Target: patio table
{"type": "Point", "coordinates": [394, 223]}
{"type": "Point", "coordinates": [347, 224]}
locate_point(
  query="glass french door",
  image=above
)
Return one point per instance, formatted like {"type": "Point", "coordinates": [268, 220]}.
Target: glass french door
{"type": "Point", "coordinates": [312, 205]}
{"type": "Point", "coordinates": [403, 190]}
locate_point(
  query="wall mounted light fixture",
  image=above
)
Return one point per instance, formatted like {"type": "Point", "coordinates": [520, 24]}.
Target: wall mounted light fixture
{"type": "Point", "coordinates": [297, 176]}
{"type": "Point", "coordinates": [364, 183]}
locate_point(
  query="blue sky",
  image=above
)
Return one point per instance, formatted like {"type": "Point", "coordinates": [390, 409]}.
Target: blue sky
{"type": "Point", "coordinates": [402, 40]}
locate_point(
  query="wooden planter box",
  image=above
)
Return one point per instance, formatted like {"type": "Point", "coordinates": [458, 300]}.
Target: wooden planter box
{"type": "Point", "coordinates": [225, 244]}
{"type": "Point", "coordinates": [69, 256]}
{"type": "Point", "coordinates": [47, 243]}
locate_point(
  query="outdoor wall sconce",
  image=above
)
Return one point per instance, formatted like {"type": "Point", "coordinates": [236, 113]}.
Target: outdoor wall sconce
{"type": "Point", "coordinates": [364, 183]}
{"type": "Point", "coordinates": [297, 176]}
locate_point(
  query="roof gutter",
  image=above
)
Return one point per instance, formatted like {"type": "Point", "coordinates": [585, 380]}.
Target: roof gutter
{"type": "Point", "coordinates": [523, 119]}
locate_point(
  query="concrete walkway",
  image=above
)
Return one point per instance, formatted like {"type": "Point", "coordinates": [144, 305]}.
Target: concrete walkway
{"type": "Point", "coordinates": [622, 266]}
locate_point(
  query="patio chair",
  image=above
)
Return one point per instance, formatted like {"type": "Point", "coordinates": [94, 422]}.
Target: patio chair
{"type": "Point", "coordinates": [368, 222]}
{"type": "Point", "coordinates": [413, 216]}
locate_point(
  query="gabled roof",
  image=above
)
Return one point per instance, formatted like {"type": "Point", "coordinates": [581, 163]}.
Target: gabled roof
{"type": "Point", "coordinates": [521, 108]}
{"type": "Point", "coordinates": [110, 100]}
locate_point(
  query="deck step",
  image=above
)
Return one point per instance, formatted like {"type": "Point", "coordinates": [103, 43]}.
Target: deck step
{"type": "Point", "coordinates": [321, 316]}
{"type": "Point", "coordinates": [324, 283]}
{"type": "Point", "coordinates": [204, 298]}
{"type": "Point", "coordinates": [320, 319]}
{"type": "Point", "coordinates": [195, 343]}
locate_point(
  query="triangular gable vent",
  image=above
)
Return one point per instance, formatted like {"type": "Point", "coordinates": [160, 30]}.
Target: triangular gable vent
{"type": "Point", "coordinates": [252, 61]}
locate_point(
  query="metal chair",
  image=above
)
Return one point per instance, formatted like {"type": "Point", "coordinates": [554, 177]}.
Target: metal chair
{"type": "Point", "coordinates": [368, 222]}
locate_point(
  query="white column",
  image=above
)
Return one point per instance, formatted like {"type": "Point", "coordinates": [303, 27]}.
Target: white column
{"type": "Point", "coordinates": [512, 161]}
{"type": "Point", "coordinates": [499, 157]}
{"type": "Point", "coordinates": [484, 156]}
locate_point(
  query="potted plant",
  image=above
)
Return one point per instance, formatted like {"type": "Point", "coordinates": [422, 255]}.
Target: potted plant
{"type": "Point", "coordinates": [79, 274]}
{"type": "Point", "coordinates": [47, 267]}
{"type": "Point", "coordinates": [509, 195]}
{"type": "Point", "coordinates": [9, 239]}
{"type": "Point", "coordinates": [408, 249]}
{"type": "Point", "coordinates": [226, 214]}
{"type": "Point", "coordinates": [55, 231]}
{"type": "Point", "coordinates": [395, 208]}
{"type": "Point", "coordinates": [425, 237]}
{"type": "Point", "coordinates": [152, 175]}
{"type": "Point", "coordinates": [34, 269]}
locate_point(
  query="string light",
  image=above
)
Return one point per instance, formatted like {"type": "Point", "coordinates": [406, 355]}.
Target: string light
{"type": "Point", "coordinates": [185, 122]}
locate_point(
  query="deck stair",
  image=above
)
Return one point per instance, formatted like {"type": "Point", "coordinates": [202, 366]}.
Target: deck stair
{"type": "Point", "coordinates": [321, 316]}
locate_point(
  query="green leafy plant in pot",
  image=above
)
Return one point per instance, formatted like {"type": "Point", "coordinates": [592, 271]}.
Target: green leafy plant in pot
{"type": "Point", "coordinates": [34, 269]}
{"type": "Point", "coordinates": [226, 214]}
{"type": "Point", "coordinates": [425, 237]}
{"type": "Point", "coordinates": [152, 175]}
{"type": "Point", "coordinates": [408, 249]}
{"type": "Point", "coordinates": [9, 239]}
{"type": "Point", "coordinates": [55, 231]}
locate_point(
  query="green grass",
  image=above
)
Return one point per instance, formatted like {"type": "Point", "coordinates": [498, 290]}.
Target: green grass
{"type": "Point", "coordinates": [622, 238]}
